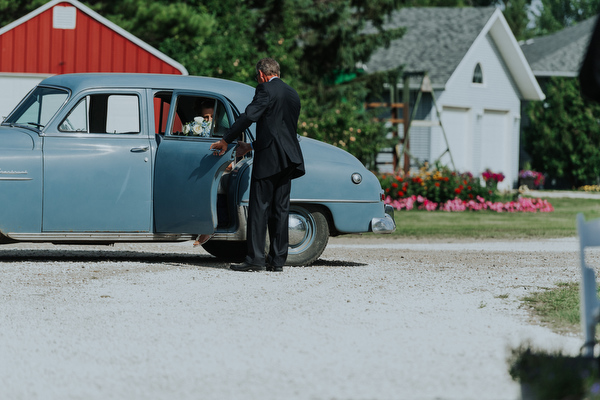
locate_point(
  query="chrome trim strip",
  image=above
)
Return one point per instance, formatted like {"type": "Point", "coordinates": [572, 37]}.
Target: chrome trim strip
{"type": "Point", "coordinates": [326, 201]}
{"type": "Point", "coordinates": [4, 178]}
{"type": "Point", "coordinates": [100, 236]}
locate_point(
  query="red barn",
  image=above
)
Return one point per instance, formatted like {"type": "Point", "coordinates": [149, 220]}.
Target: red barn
{"type": "Point", "coordinates": [65, 36]}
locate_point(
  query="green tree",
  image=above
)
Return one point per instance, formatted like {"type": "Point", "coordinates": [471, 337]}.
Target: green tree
{"type": "Point", "coordinates": [516, 14]}
{"type": "Point", "coordinates": [321, 45]}
{"type": "Point", "coordinates": [558, 14]}
{"type": "Point", "coordinates": [11, 10]}
{"type": "Point", "coordinates": [564, 135]}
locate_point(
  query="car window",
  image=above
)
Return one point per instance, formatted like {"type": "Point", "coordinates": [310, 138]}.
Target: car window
{"type": "Point", "coordinates": [104, 113]}
{"type": "Point", "coordinates": [38, 107]}
{"type": "Point", "coordinates": [200, 116]}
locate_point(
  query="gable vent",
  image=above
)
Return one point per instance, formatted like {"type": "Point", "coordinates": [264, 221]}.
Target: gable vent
{"type": "Point", "coordinates": [64, 17]}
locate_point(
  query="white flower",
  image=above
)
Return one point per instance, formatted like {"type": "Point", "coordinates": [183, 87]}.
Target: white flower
{"type": "Point", "coordinates": [199, 120]}
{"type": "Point", "coordinates": [197, 128]}
{"type": "Point", "coordinates": [186, 129]}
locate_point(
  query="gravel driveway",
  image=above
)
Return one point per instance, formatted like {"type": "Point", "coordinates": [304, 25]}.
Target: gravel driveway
{"type": "Point", "coordinates": [372, 319]}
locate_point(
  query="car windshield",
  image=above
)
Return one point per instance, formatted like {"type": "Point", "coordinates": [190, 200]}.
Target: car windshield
{"type": "Point", "coordinates": [38, 107]}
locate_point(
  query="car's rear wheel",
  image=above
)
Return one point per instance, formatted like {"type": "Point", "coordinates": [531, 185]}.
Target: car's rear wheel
{"type": "Point", "coordinates": [308, 236]}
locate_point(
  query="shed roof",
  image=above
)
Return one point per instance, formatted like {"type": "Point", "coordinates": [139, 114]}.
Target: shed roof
{"type": "Point", "coordinates": [65, 36]}
{"type": "Point", "coordinates": [560, 53]}
{"type": "Point", "coordinates": [438, 38]}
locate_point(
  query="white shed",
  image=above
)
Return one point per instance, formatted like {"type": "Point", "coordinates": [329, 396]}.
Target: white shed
{"type": "Point", "coordinates": [479, 77]}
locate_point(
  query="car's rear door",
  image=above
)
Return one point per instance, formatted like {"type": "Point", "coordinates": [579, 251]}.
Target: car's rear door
{"type": "Point", "coordinates": [98, 166]}
{"type": "Point", "coordinates": [187, 173]}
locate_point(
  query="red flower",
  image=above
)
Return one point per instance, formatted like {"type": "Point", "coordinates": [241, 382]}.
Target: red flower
{"type": "Point", "coordinates": [457, 191]}
{"type": "Point", "coordinates": [400, 193]}
{"type": "Point", "coordinates": [387, 190]}
{"type": "Point", "coordinates": [394, 185]}
{"type": "Point", "coordinates": [468, 187]}
{"type": "Point", "coordinates": [461, 187]}
{"type": "Point", "coordinates": [470, 195]}
{"type": "Point", "coordinates": [437, 184]}
{"type": "Point", "coordinates": [399, 179]}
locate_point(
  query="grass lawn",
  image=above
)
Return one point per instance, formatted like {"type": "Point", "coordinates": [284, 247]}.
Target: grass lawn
{"type": "Point", "coordinates": [557, 307]}
{"type": "Point", "coordinates": [493, 225]}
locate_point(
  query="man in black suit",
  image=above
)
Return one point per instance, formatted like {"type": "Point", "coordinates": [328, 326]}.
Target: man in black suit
{"type": "Point", "coordinates": [277, 160]}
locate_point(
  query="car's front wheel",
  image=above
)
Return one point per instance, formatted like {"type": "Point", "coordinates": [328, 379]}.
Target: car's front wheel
{"type": "Point", "coordinates": [308, 236]}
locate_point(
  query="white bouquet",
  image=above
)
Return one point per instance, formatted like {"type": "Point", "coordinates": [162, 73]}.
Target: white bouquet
{"type": "Point", "coordinates": [198, 127]}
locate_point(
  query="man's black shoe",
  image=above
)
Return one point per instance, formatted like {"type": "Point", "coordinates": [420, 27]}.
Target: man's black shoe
{"type": "Point", "coordinates": [274, 269]}
{"type": "Point", "coordinates": [247, 267]}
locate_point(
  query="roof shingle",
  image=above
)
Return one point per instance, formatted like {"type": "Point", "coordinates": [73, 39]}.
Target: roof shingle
{"type": "Point", "coordinates": [436, 40]}
{"type": "Point", "coordinates": [560, 53]}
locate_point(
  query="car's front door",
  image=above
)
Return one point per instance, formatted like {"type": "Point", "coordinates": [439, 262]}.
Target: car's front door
{"type": "Point", "coordinates": [187, 172]}
{"type": "Point", "coordinates": [98, 166]}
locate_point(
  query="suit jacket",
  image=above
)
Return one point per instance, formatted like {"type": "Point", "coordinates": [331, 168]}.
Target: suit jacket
{"type": "Point", "coordinates": [275, 108]}
{"type": "Point", "coordinates": [589, 75]}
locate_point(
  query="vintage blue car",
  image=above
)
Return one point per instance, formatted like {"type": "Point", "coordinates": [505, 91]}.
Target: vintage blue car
{"type": "Point", "coordinates": [105, 158]}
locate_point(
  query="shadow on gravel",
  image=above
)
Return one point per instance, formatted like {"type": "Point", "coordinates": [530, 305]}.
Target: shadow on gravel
{"type": "Point", "coordinates": [109, 256]}
{"type": "Point", "coordinates": [336, 263]}
{"type": "Point", "coordinates": [203, 260]}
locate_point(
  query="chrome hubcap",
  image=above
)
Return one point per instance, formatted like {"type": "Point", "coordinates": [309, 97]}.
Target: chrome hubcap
{"type": "Point", "coordinates": [301, 230]}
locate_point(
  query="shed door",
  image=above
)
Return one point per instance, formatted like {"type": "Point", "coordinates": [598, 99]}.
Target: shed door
{"type": "Point", "coordinates": [97, 167]}
{"type": "Point", "coordinates": [494, 141]}
{"type": "Point", "coordinates": [457, 126]}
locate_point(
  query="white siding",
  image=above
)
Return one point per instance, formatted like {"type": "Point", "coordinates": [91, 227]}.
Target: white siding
{"type": "Point", "coordinates": [497, 95]}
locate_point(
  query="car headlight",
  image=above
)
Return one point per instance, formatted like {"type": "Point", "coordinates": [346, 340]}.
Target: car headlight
{"type": "Point", "coordinates": [356, 178]}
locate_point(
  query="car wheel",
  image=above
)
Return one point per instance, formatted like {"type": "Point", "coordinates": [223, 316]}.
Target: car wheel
{"type": "Point", "coordinates": [308, 235]}
{"type": "Point", "coordinates": [226, 250]}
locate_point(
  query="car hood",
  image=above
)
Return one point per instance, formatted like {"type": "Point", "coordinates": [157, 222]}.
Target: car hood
{"type": "Point", "coordinates": [15, 137]}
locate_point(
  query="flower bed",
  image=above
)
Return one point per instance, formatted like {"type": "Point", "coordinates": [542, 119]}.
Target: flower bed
{"type": "Point", "coordinates": [446, 190]}
{"type": "Point", "coordinates": [532, 179]}
{"type": "Point", "coordinates": [422, 203]}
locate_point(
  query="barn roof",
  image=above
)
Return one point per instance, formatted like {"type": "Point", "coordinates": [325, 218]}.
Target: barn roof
{"type": "Point", "coordinates": [438, 38]}
{"type": "Point", "coordinates": [65, 36]}
{"type": "Point", "coordinates": [560, 53]}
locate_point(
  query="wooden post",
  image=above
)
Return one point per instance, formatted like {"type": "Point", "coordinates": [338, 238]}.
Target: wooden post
{"type": "Point", "coordinates": [394, 115]}
{"type": "Point", "coordinates": [405, 120]}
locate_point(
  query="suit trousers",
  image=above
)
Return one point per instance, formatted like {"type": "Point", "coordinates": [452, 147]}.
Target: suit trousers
{"type": "Point", "coordinates": [268, 209]}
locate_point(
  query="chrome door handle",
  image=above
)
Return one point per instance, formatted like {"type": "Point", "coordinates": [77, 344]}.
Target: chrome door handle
{"type": "Point", "coordinates": [140, 149]}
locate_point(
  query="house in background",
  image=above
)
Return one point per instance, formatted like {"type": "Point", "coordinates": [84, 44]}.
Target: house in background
{"type": "Point", "coordinates": [65, 36]}
{"type": "Point", "coordinates": [560, 53]}
{"type": "Point", "coordinates": [479, 77]}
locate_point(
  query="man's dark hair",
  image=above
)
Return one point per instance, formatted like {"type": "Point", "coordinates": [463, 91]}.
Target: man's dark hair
{"type": "Point", "coordinates": [268, 66]}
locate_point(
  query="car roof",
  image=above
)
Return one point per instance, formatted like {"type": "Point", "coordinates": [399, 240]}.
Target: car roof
{"type": "Point", "coordinates": [240, 94]}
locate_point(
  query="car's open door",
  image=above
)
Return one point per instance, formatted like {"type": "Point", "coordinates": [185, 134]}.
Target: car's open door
{"type": "Point", "coordinates": [187, 173]}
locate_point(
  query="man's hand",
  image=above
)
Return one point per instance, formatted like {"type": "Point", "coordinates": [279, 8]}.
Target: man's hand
{"type": "Point", "coordinates": [221, 146]}
{"type": "Point", "coordinates": [242, 149]}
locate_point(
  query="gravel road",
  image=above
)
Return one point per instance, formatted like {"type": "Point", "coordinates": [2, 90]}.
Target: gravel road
{"type": "Point", "coordinates": [372, 319]}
